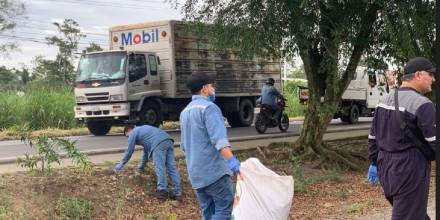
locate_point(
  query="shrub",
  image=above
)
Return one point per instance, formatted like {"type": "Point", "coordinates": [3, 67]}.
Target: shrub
{"type": "Point", "coordinates": [73, 208]}
{"type": "Point", "coordinates": [290, 92]}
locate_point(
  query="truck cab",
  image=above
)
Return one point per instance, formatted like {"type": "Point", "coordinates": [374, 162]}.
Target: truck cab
{"type": "Point", "coordinates": [360, 98]}
{"type": "Point", "coordinates": [108, 84]}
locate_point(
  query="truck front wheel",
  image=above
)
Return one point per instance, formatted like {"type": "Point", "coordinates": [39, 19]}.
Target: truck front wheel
{"type": "Point", "coordinates": [150, 114]}
{"type": "Point", "coordinates": [99, 128]}
{"type": "Point", "coordinates": [353, 116]}
{"type": "Point", "coordinates": [245, 115]}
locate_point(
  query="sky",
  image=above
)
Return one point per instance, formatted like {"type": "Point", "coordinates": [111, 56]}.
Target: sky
{"type": "Point", "coordinates": [93, 16]}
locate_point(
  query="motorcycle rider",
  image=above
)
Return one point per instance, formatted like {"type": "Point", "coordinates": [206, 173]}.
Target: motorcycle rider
{"type": "Point", "coordinates": [269, 95]}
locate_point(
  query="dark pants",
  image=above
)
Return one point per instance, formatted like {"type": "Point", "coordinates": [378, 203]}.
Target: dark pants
{"type": "Point", "coordinates": [405, 177]}
{"type": "Point", "coordinates": [276, 111]}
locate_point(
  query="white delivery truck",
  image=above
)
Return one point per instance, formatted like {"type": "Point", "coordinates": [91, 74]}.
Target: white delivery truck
{"type": "Point", "coordinates": [142, 77]}
{"type": "Point", "coordinates": [360, 98]}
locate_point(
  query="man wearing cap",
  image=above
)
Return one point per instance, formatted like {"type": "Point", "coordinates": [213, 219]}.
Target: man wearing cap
{"type": "Point", "coordinates": [204, 141]}
{"type": "Point", "coordinates": [396, 161]}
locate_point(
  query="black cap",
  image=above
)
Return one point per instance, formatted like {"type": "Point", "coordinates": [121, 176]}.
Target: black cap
{"type": "Point", "coordinates": [419, 64]}
{"type": "Point", "coordinates": [197, 80]}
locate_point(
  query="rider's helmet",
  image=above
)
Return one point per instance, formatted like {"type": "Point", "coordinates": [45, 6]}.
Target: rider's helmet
{"type": "Point", "coordinates": [270, 81]}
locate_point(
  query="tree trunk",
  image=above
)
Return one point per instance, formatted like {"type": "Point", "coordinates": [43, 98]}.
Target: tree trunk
{"type": "Point", "coordinates": [315, 125]}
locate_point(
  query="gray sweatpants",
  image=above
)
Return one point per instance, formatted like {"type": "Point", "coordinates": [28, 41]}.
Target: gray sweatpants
{"type": "Point", "coordinates": [405, 177]}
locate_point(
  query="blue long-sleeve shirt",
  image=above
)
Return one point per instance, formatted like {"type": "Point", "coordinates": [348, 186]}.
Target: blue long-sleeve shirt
{"type": "Point", "coordinates": [203, 135]}
{"type": "Point", "coordinates": [269, 95]}
{"type": "Point", "coordinates": [147, 136]}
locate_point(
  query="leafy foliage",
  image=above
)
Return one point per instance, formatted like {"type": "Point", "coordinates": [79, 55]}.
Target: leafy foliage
{"type": "Point", "coordinates": [330, 37]}
{"type": "Point", "coordinates": [93, 47]}
{"type": "Point", "coordinates": [48, 152]}
{"type": "Point", "coordinates": [290, 92]}
{"type": "Point", "coordinates": [61, 69]}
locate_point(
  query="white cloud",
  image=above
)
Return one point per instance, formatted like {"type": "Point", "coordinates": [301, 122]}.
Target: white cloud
{"type": "Point", "coordinates": [94, 18]}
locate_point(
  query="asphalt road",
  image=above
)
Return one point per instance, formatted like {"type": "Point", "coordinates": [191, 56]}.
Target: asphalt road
{"type": "Point", "coordinates": [10, 150]}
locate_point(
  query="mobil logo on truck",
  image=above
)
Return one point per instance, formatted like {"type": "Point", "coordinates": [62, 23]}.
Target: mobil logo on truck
{"type": "Point", "coordinates": [138, 37]}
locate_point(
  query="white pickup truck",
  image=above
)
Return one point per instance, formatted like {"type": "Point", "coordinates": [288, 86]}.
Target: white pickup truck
{"type": "Point", "coordinates": [361, 97]}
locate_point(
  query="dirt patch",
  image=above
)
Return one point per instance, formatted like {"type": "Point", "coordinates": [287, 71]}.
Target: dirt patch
{"type": "Point", "coordinates": [319, 194]}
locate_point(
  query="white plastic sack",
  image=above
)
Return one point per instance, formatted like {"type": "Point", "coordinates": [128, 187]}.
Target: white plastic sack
{"type": "Point", "coordinates": [262, 194]}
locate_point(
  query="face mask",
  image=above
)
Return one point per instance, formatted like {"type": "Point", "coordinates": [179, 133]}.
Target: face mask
{"type": "Point", "coordinates": [212, 97]}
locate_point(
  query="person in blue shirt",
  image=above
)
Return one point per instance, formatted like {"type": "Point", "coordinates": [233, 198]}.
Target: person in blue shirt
{"type": "Point", "coordinates": [208, 153]}
{"type": "Point", "coordinates": [269, 96]}
{"type": "Point", "coordinates": [158, 145]}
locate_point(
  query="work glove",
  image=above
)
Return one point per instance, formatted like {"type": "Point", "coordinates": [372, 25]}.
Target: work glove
{"type": "Point", "coordinates": [234, 165]}
{"type": "Point", "coordinates": [118, 166]}
{"type": "Point", "coordinates": [372, 174]}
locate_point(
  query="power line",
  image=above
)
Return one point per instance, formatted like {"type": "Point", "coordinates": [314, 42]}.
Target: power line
{"type": "Point", "coordinates": [37, 40]}
{"type": "Point", "coordinates": [43, 38]}
{"type": "Point", "coordinates": [52, 27]}
{"type": "Point", "coordinates": [104, 4]}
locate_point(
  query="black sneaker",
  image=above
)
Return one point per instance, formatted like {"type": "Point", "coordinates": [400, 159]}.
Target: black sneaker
{"type": "Point", "coordinates": [176, 197]}
{"type": "Point", "coordinates": [161, 195]}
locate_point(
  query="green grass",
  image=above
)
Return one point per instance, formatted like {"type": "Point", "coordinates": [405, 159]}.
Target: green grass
{"type": "Point", "coordinates": [290, 92]}
{"type": "Point", "coordinates": [74, 208]}
{"type": "Point", "coordinates": [37, 108]}
{"type": "Point", "coordinates": [357, 207]}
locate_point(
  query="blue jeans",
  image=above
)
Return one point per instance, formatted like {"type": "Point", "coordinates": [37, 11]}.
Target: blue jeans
{"type": "Point", "coordinates": [216, 199]}
{"type": "Point", "coordinates": [164, 162]}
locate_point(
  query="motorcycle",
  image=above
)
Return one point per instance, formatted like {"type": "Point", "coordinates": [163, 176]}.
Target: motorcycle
{"type": "Point", "coordinates": [265, 118]}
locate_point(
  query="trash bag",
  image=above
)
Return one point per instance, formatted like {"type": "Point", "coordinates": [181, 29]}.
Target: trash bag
{"type": "Point", "coordinates": [261, 194]}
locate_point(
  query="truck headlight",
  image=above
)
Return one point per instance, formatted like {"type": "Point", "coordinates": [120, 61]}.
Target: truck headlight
{"type": "Point", "coordinates": [116, 97]}
{"type": "Point", "coordinates": [80, 99]}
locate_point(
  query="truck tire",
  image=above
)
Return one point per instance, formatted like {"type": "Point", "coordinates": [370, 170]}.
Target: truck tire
{"type": "Point", "coordinates": [245, 115]}
{"type": "Point", "coordinates": [99, 128]}
{"type": "Point", "coordinates": [353, 116]}
{"type": "Point", "coordinates": [150, 114]}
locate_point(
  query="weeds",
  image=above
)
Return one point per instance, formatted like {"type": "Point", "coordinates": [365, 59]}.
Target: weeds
{"type": "Point", "coordinates": [39, 108]}
{"type": "Point", "coordinates": [357, 207]}
{"type": "Point", "coordinates": [333, 176]}
{"type": "Point", "coordinates": [4, 210]}
{"type": "Point", "coordinates": [290, 92]}
{"type": "Point", "coordinates": [47, 152]}
{"type": "Point", "coordinates": [74, 208]}
{"type": "Point", "coordinates": [342, 193]}
{"type": "Point", "coordinates": [298, 174]}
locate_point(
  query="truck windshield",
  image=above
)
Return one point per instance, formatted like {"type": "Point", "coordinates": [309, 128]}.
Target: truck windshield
{"type": "Point", "coordinates": [101, 66]}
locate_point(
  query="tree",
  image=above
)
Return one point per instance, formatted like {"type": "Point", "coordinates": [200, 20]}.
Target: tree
{"type": "Point", "coordinates": [330, 37]}
{"type": "Point", "coordinates": [297, 72]}
{"type": "Point", "coordinates": [410, 30]}
{"type": "Point", "coordinates": [9, 11]}
{"type": "Point", "coordinates": [8, 79]}
{"type": "Point", "coordinates": [13, 78]}
{"type": "Point", "coordinates": [67, 44]}
{"type": "Point", "coordinates": [93, 47]}
{"type": "Point", "coordinates": [44, 69]}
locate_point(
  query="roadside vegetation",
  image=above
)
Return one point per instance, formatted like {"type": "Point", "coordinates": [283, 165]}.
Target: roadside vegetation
{"type": "Point", "coordinates": [290, 92]}
{"type": "Point", "coordinates": [69, 193]}
{"type": "Point", "coordinates": [49, 111]}
{"type": "Point", "coordinates": [37, 108]}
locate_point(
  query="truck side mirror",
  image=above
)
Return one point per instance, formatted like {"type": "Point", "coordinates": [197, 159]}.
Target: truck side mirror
{"type": "Point", "coordinates": [158, 60]}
